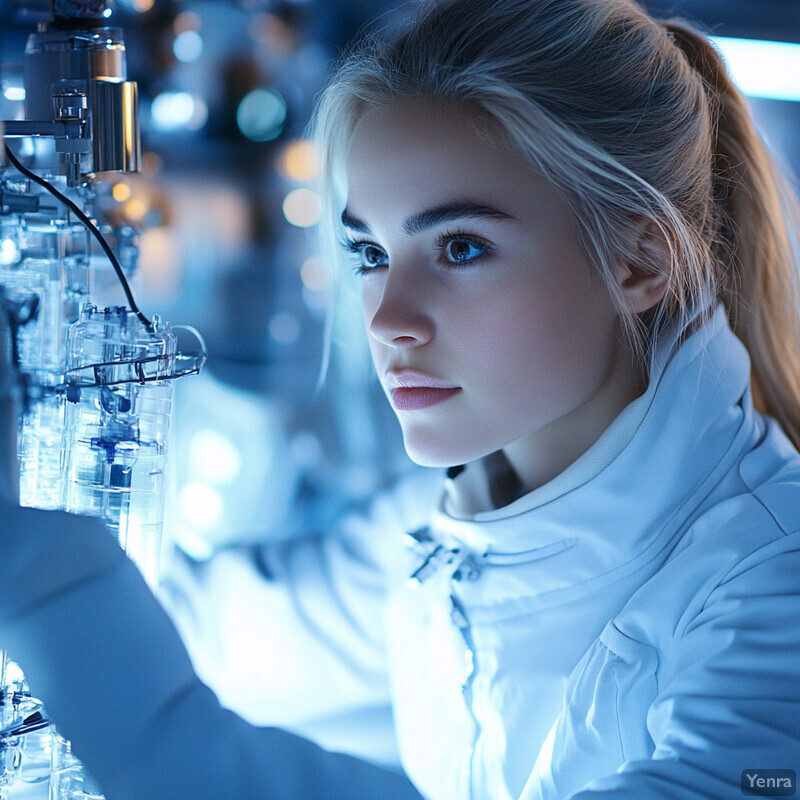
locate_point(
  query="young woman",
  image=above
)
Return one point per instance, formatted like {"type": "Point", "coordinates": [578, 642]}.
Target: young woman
{"type": "Point", "coordinates": [580, 286]}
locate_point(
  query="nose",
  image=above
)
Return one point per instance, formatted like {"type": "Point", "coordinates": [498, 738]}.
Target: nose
{"type": "Point", "coordinates": [399, 318]}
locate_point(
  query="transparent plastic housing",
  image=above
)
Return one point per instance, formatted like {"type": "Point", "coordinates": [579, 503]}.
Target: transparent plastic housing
{"type": "Point", "coordinates": [117, 427]}
{"type": "Point", "coordinates": [47, 260]}
{"type": "Point", "coordinates": [69, 779]}
{"type": "Point", "coordinates": [40, 480]}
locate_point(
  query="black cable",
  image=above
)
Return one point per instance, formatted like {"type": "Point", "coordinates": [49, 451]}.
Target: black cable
{"type": "Point", "coordinates": [92, 229]}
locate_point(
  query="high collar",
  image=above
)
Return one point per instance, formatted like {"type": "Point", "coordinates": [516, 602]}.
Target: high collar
{"type": "Point", "coordinates": [620, 503]}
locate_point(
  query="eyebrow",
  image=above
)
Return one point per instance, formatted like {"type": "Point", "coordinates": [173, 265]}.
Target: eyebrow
{"type": "Point", "coordinates": [429, 218]}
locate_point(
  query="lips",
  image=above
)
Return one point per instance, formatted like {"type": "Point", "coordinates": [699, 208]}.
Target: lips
{"type": "Point", "coordinates": [412, 391]}
{"type": "Point", "coordinates": [415, 399]}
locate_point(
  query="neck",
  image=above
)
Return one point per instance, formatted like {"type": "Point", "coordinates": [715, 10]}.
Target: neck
{"type": "Point", "coordinates": [545, 453]}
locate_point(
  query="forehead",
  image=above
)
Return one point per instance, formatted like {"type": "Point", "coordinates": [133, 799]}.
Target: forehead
{"type": "Point", "coordinates": [413, 121]}
{"type": "Point", "coordinates": [429, 149]}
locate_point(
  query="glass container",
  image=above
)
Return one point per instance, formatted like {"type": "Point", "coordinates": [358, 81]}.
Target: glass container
{"type": "Point", "coordinates": [119, 398]}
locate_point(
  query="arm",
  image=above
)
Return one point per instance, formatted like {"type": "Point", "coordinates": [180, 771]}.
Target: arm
{"type": "Point", "coordinates": [103, 656]}
{"type": "Point", "coordinates": [318, 604]}
{"type": "Point", "coordinates": [729, 693]}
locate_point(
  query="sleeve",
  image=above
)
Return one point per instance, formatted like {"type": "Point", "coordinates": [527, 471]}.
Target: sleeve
{"type": "Point", "coordinates": [102, 654]}
{"type": "Point", "coordinates": [729, 694]}
{"type": "Point", "coordinates": [294, 633]}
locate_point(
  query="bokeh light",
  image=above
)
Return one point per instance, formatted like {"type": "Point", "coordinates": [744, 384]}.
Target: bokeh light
{"type": "Point", "coordinates": [186, 21]}
{"type": "Point", "coordinates": [301, 207]}
{"type": "Point", "coordinates": [298, 161]}
{"type": "Point", "coordinates": [201, 505]}
{"type": "Point", "coordinates": [261, 115]}
{"type": "Point", "coordinates": [121, 191]}
{"type": "Point", "coordinates": [314, 274]}
{"type": "Point", "coordinates": [215, 457]}
{"type": "Point", "coordinates": [172, 111]}
{"type": "Point", "coordinates": [135, 210]}
{"type": "Point", "coordinates": [188, 46]}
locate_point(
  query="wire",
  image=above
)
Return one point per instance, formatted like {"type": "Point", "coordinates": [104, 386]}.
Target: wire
{"type": "Point", "coordinates": [92, 229]}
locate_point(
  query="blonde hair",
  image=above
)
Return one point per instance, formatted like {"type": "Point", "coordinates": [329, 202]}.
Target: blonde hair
{"type": "Point", "coordinates": [630, 118]}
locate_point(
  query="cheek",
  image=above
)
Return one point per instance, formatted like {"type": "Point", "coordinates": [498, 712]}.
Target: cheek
{"type": "Point", "coordinates": [552, 337]}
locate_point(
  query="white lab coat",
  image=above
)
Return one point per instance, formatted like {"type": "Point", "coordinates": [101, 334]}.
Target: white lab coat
{"type": "Point", "coordinates": [629, 630]}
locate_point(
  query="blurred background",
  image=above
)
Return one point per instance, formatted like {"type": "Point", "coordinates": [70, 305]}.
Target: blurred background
{"type": "Point", "coordinates": [227, 213]}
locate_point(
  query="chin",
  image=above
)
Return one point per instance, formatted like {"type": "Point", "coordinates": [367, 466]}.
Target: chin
{"type": "Point", "coordinates": [430, 453]}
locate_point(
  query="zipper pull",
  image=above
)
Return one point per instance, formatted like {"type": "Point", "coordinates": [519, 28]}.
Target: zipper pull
{"type": "Point", "coordinates": [468, 570]}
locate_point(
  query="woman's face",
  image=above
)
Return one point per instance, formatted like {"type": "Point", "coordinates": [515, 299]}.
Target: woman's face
{"type": "Point", "coordinates": [485, 325]}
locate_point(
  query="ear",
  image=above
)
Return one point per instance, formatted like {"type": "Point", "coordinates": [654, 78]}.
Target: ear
{"type": "Point", "coordinates": [643, 272]}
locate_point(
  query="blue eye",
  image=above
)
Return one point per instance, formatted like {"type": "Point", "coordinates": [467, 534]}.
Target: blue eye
{"type": "Point", "coordinates": [372, 256]}
{"type": "Point", "coordinates": [460, 250]}
{"type": "Point", "coordinates": [367, 256]}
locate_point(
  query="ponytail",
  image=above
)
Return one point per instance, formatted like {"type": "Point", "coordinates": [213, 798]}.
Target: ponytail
{"type": "Point", "coordinates": [757, 241]}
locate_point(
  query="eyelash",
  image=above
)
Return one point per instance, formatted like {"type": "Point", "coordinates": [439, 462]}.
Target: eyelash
{"type": "Point", "coordinates": [356, 246]}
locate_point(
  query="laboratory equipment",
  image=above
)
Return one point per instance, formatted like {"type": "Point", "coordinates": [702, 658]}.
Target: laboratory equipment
{"type": "Point", "coordinates": [87, 389]}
